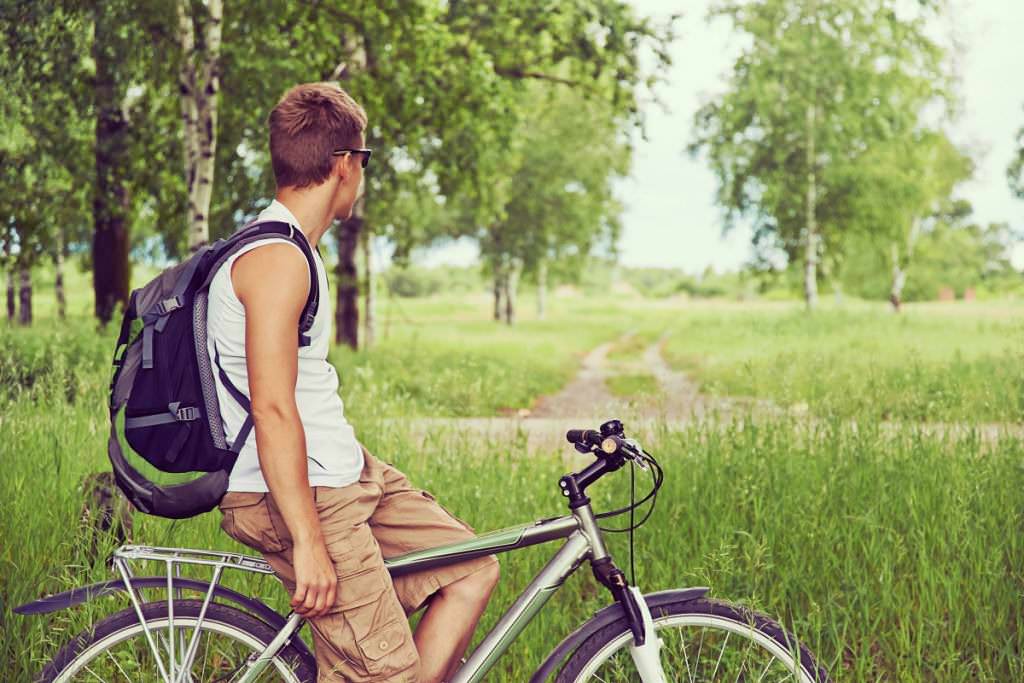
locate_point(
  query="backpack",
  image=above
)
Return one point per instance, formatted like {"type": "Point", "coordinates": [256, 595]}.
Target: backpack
{"type": "Point", "coordinates": [163, 379]}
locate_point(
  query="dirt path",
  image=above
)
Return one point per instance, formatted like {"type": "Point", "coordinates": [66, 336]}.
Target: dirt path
{"type": "Point", "coordinates": [680, 397]}
{"type": "Point", "coordinates": [586, 401]}
{"type": "Point", "coordinates": [585, 396]}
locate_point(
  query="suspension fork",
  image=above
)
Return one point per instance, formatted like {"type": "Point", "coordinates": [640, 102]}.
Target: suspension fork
{"type": "Point", "coordinates": [646, 646]}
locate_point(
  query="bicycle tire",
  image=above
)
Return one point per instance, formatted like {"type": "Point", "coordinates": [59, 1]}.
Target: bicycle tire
{"type": "Point", "coordinates": [710, 615]}
{"type": "Point", "coordinates": [121, 626]}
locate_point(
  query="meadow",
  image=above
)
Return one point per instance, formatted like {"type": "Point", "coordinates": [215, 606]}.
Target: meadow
{"type": "Point", "coordinates": [894, 549]}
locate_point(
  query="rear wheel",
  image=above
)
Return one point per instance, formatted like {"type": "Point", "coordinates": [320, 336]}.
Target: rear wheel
{"type": "Point", "coordinates": [702, 641]}
{"type": "Point", "coordinates": [116, 648]}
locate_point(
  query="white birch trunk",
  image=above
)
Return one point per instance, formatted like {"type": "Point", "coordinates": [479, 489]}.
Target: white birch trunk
{"type": "Point", "coordinates": [200, 87]}
{"type": "Point", "coordinates": [899, 267]}
{"type": "Point", "coordinates": [811, 223]}
{"type": "Point", "coordinates": [899, 279]}
{"type": "Point", "coordinates": [542, 289]}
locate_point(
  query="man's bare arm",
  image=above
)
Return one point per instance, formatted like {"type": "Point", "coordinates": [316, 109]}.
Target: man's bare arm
{"type": "Point", "coordinates": [272, 283]}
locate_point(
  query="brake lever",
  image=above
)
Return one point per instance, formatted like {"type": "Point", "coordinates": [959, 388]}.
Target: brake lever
{"type": "Point", "coordinates": [636, 454]}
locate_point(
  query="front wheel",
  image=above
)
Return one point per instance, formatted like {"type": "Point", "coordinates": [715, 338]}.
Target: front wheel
{"type": "Point", "coordinates": [702, 641]}
{"type": "Point", "coordinates": [117, 649]}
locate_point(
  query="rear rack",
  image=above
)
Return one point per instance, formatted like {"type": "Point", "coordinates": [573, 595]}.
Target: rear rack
{"type": "Point", "coordinates": [173, 559]}
{"type": "Point", "coordinates": [176, 556]}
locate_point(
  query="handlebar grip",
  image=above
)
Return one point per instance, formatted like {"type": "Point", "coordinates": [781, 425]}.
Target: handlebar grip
{"type": "Point", "coordinates": [590, 437]}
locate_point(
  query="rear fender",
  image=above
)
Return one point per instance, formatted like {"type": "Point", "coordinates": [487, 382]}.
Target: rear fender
{"type": "Point", "coordinates": [602, 618]}
{"type": "Point", "coordinates": [83, 594]}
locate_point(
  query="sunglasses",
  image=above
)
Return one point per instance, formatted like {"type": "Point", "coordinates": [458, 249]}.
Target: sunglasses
{"type": "Point", "coordinates": [362, 150]}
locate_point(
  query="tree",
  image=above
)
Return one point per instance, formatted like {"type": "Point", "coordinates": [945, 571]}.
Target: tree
{"type": "Point", "coordinates": [560, 208]}
{"type": "Point", "coordinates": [1015, 171]}
{"type": "Point", "coordinates": [821, 84]}
{"type": "Point", "coordinates": [199, 83]}
{"type": "Point", "coordinates": [904, 185]}
{"type": "Point", "coordinates": [46, 145]}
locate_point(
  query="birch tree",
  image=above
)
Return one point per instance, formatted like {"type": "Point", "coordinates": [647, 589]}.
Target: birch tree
{"type": "Point", "coordinates": [1015, 171]}
{"type": "Point", "coordinates": [904, 187]}
{"type": "Point", "coordinates": [199, 86]}
{"type": "Point", "coordinates": [820, 84]}
{"type": "Point", "coordinates": [560, 207]}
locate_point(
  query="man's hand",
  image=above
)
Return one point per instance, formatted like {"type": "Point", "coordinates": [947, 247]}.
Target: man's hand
{"type": "Point", "coordinates": [315, 580]}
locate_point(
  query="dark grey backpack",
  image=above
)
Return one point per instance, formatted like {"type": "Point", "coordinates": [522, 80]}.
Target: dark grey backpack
{"type": "Point", "coordinates": [163, 379]}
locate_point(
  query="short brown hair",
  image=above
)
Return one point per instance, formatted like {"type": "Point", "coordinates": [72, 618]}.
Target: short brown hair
{"type": "Point", "coordinates": [308, 123]}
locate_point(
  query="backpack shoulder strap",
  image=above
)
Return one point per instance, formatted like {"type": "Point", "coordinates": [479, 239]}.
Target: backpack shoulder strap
{"type": "Point", "coordinates": [254, 232]}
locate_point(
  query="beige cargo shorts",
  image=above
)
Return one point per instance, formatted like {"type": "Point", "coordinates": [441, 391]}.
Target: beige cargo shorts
{"type": "Point", "coordinates": [366, 635]}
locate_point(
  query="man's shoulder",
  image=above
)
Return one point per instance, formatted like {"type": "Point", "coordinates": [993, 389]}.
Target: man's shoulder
{"type": "Point", "coordinates": [278, 271]}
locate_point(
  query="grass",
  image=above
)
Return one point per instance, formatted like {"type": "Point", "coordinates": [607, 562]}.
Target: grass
{"type": "Point", "coordinates": [633, 385]}
{"type": "Point", "coordinates": [896, 553]}
{"type": "Point", "coordinates": [933, 363]}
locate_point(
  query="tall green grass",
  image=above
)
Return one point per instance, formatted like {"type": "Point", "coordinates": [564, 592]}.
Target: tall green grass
{"type": "Point", "coordinates": [952, 363]}
{"type": "Point", "coordinates": [897, 554]}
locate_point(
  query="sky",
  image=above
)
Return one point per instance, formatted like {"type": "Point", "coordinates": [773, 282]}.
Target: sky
{"type": "Point", "coordinates": [671, 220]}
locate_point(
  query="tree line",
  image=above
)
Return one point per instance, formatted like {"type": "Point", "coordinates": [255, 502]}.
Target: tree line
{"type": "Point", "coordinates": [129, 124]}
{"type": "Point", "coordinates": [132, 126]}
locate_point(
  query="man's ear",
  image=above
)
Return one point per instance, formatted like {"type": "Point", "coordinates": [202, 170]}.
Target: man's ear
{"type": "Point", "coordinates": [340, 169]}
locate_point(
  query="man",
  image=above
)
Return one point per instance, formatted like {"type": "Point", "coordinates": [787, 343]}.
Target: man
{"type": "Point", "coordinates": [322, 510]}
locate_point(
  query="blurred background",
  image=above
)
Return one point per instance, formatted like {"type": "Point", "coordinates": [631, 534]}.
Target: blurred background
{"type": "Point", "coordinates": [782, 239]}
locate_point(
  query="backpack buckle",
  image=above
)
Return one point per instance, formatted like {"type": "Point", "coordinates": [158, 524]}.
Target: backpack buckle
{"type": "Point", "coordinates": [308, 320]}
{"type": "Point", "coordinates": [168, 305]}
{"type": "Point", "coordinates": [187, 414]}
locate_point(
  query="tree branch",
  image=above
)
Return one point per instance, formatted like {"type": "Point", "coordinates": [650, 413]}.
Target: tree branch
{"type": "Point", "coordinates": [520, 72]}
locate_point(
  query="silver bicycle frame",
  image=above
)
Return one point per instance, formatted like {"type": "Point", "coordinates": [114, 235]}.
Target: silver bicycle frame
{"type": "Point", "coordinates": [583, 542]}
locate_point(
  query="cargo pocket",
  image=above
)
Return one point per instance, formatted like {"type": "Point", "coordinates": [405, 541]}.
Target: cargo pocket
{"type": "Point", "coordinates": [367, 629]}
{"type": "Point", "coordinates": [388, 650]}
{"type": "Point", "coordinates": [247, 520]}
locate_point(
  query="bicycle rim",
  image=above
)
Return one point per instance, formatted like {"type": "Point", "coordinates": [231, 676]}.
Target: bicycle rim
{"type": "Point", "coordinates": [702, 648]}
{"type": "Point", "coordinates": [125, 654]}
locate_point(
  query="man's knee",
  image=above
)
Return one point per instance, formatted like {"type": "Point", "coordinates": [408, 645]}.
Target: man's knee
{"type": "Point", "coordinates": [480, 582]}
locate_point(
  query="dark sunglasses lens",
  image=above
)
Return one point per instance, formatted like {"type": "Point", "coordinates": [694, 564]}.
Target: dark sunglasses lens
{"type": "Point", "coordinates": [366, 158]}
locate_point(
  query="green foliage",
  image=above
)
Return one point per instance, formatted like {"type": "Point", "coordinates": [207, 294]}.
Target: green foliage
{"type": "Point", "coordinates": [415, 281]}
{"type": "Point", "coordinates": [949, 252]}
{"type": "Point", "coordinates": [820, 87]}
{"type": "Point", "coordinates": [567, 153]}
{"type": "Point", "coordinates": [1015, 171]}
{"type": "Point", "coordinates": [665, 282]}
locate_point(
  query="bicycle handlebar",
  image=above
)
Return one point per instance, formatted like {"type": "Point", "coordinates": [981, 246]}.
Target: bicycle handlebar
{"type": "Point", "coordinates": [587, 437]}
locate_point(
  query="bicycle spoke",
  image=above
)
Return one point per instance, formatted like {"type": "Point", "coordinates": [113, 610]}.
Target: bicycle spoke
{"type": "Point", "coordinates": [222, 650]}
{"type": "Point", "coordinates": [119, 667]}
{"type": "Point", "coordinates": [766, 667]}
{"type": "Point", "coordinates": [95, 675]}
{"type": "Point", "coordinates": [718, 663]}
{"type": "Point", "coordinates": [701, 649]}
{"type": "Point", "coordinates": [700, 646]}
{"type": "Point", "coordinates": [686, 660]}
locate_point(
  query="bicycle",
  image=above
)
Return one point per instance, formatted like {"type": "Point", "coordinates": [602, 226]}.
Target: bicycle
{"type": "Point", "coordinates": [670, 635]}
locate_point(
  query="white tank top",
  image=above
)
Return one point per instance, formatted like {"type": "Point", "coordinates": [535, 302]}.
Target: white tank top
{"type": "Point", "coordinates": [334, 456]}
